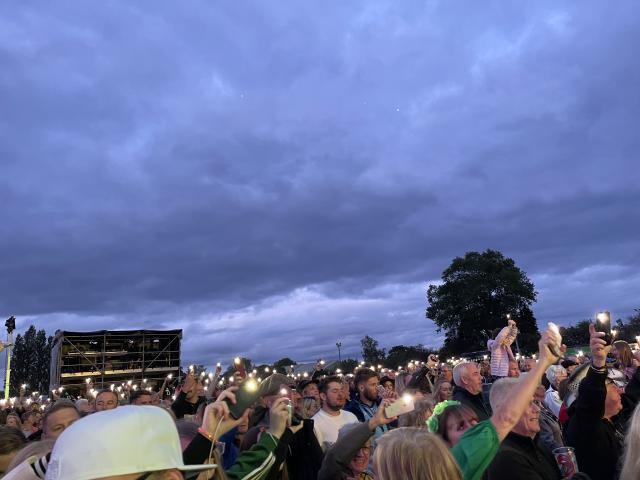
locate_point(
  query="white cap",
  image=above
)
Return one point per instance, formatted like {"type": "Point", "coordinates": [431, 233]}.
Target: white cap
{"type": "Point", "coordinates": [126, 440]}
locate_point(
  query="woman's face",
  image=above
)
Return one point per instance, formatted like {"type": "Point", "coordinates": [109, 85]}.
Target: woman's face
{"type": "Point", "coordinates": [446, 391]}
{"type": "Point", "coordinates": [456, 428]}
{"type": "Point", "coordinates": [12, 422]}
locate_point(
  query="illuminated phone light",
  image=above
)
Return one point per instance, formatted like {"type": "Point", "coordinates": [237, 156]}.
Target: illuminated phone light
{"type": "Point", "coordinates": [485, 357]}
{"type": "Point", "coordinates": [170, 376]}
{"type": "Point", "coordinates": [221, 382]}
{"type": "Point", "coordinates": [231, 379]}
{"type": "Point", "coordinates": [614, 333]}
{"type": "Point", "coordinates": [236, 360]}
{"type": "Point", "coordinates": [88, 380]}
{"type": "Point", "coordinates": [119, 388]}
{"type": "Point", "coordinates": [206, 381]}
{"type": "Point", "coordinates": [130, 382]}
{"type": "Point", "coordinates": [284, 392]}
{"type": "Point", "coordinates": [251, 385]}
{"type": "Point", "coordinates": [202, 374]}
{"type": "Point", "coordinates": [135, 387]}
{"type": "Point", "coordinates": [218, 364]}
{"type": "Point", "coordinates": [338, 371]}
{"type": "Point", "coordinates": [305, 374]}
{"type": "Point", "coordinates": [24, 386]}
{"type": "Point", "coordinates": [580, 353]}
{"type": "Point", "coordinates": [173, 397]}
{"type": "Point", "coordinates": [191, 367]}
{"type": "Point", "coordinates": [266, 369]}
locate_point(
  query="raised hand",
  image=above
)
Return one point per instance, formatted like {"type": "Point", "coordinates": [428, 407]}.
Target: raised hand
{"type": "Point", "coordinates": [278, 417]}
{"type": "Point", "coordinates": [599, 347]}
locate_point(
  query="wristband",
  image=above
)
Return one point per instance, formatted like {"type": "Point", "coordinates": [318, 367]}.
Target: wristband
{"type": "Point", "coordinates": [205, 434]}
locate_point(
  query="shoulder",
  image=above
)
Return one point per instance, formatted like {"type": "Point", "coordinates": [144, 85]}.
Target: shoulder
{"type": "Point", "coordinates": [348, 417]}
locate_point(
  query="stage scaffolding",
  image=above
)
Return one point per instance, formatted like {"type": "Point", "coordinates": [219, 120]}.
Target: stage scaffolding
{"type": "Point", "coordinates": [113, 356]}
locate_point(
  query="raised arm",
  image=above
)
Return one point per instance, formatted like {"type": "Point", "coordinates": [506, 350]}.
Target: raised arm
{"type": "Point", "coordinates": [509, 411]}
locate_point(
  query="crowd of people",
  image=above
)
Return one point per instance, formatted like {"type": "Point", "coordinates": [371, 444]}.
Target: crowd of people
{"type": "Point", "coordinates": [550, 416]}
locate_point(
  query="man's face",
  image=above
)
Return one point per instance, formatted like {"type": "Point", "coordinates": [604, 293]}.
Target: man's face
{"type": "Point", "coordinates": [360, 462]}
{"type": "Point", "coordinates": [334, 399]}
{"type": "Point", "coordinates": [613, 402]}
{"type": "Point", "coordinates": [144, 400]}
{"type": "Point", "coordinates": [58, 421]}
{"type": "Point", "coordinates": [311, 390]}
{"type": "Point", "coordinates": [369, 389]}
{"type": "Point", "coordinates": [194, 392]}
{"type": "Point", "coordinates": [529, 423]}
{"type": "Point", "coordinates": [514, 371]}
{"type": "Point", "coordinates": [472, 381]}
{"type": "Point", "coordinates": [447, 373]}
{"type": "Point", "coordinates": [106, 401]}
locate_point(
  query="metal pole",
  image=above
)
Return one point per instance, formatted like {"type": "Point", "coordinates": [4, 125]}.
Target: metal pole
{"type": "Point", "coordinates": [7, 375]}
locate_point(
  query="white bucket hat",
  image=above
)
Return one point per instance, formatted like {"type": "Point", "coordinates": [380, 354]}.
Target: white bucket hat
{"type": "Point", "coordinates": [126, 440]}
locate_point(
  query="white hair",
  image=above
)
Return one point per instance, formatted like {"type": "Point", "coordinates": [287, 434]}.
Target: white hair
{"type": "Point", "coordinates": [460, 370]}
{"type": "Point", "coordinates": [552, 373]}
{"type": "Point", "coordinates": [501, 390]}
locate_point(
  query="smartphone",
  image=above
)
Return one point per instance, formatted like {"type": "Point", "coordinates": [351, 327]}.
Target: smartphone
{"type": "Point", "coordinates": [246, 395]}
{"type": "Point", "coordinates": [603, 324]}
{"type": "Point", "coordinates": [240, 368]}
{"type": "Point", "coordinates": [403, 405]}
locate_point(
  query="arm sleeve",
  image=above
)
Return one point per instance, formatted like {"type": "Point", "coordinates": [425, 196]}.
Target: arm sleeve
{"type": "Point", "coordinates": [178, 405]}
{"type": "Point", "coordinates": [553, 402]}
{"type": "Point", "coordinates": [502, 338]}
{"type": "Point", "coordinates": [476, 448]}
{"type": "Point", "coordinates": [255, 463]}
{"type": "Point", "coordinates": [591, 396]}
{"type": "Point", "coordinates": [338, 457]}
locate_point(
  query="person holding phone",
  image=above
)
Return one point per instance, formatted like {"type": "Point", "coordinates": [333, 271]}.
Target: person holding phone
{"type": "Point", "coordinates": [500, 347]}
{"type": "Point", "coordinates": [599, 414]}
{"type": "Point", "coordinates": [190, 397]}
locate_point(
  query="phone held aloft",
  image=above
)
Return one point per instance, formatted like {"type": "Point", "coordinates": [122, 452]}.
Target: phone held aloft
{"type": "Point", "coordinates": [403, 405]}
{"type": "Point", "coordinates": [246, 395]}
{"type": "Point", "coordinates": [603, 324]}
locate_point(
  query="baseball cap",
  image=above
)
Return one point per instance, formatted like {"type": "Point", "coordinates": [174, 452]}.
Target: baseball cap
{"type": "Point", "coordinates": [126, 440]}
{"type": "Point", "coordinates": [271, 384]}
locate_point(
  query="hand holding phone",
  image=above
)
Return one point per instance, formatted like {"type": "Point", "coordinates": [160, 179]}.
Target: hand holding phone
{"type": "Point", "coordinates": [603, 324]}
{"type": "Point", "coordinates": [239, 366]}
{"type": "Point", "coordinates": [245, 396]}
{"type": "Point", "coordinates": [403, 405]}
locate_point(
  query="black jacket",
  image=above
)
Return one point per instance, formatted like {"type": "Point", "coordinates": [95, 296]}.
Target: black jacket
{"type": "Point", "coordinates": [474, 402]}
{"type": "Point", "coordinates": [181, 406]}
{"type": "Point", "coordinates": [594, 439]}
{"type": "Point", "coordinates": [522, 458]}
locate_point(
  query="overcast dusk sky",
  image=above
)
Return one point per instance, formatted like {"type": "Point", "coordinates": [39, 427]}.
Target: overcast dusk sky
{"type": "Point", "coordinates": [276, 176]}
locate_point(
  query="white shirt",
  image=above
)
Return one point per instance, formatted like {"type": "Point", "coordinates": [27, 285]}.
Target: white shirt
{"type": "Point", "coordinates": [553, 402]}
{"type": "Point", "coordinates": [326, 427]}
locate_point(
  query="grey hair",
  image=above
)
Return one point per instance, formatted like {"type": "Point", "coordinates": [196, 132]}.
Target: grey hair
{"type": "Point", "coordinates": [459, 371]}
{"type": "Point", "coordinates": [552, 373]}
{"type": "Point", "coordinates": [500, 390]}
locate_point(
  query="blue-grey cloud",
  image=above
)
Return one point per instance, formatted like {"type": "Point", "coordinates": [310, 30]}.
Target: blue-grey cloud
{"type": "Point", "coordinates": [257, 172]}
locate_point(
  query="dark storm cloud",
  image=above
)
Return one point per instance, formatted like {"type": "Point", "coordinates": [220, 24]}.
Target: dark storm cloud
{"type": "Point", "coordinates": [271, 171]}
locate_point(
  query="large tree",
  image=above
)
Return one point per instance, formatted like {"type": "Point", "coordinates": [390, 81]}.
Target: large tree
{"type": "Point", "coordinates": [30, 360]}
{"type": "Point", "coordinates": [475, 296]}
{"type": "Point", "coordinates": [371, 354]}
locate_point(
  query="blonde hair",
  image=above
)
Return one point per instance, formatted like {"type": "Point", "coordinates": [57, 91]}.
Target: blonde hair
{"type": "Point", "coordinates": [631, 459]}
{"type": "Point", "coordinates": [418, 418]}
{"type": "Point", "coordinates": [411, 453]}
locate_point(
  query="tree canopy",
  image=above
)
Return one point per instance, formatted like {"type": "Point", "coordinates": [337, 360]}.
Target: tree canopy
{"type": "Point", "coordinates": [30, 360]}
{"type": "Point", "coordinates": [475, 296]}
